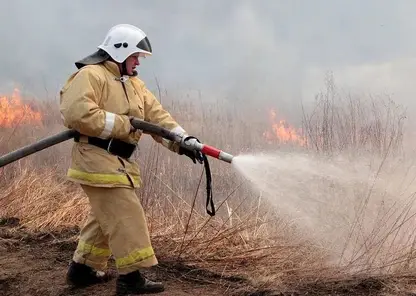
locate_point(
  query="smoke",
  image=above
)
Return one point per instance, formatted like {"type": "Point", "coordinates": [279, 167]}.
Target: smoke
{"type": "Point", "coordinates": [252, 50]}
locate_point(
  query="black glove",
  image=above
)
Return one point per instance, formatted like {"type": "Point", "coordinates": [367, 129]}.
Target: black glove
{"type": "Point", "coordinates": [194, 155]}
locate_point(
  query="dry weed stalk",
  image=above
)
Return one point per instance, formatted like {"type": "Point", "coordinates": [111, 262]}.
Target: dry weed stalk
{"type": "Point", "coordinates": [246, 237]}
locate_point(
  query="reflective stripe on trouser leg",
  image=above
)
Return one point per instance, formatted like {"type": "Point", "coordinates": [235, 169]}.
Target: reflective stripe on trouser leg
{"type": "Point", "coordinates": [122, 218]}
{"type": "Point", "coordinates": [92, 248]}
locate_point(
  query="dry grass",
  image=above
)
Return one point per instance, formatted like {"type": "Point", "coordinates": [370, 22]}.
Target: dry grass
{"type": "Point", "coordinates": [342, 122]}
{"type": "Point", "coordinates": [246, 238]}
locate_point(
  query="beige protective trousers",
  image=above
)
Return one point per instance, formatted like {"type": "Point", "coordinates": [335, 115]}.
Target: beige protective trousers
{"type": "Point", "coordinates": [115, 226]}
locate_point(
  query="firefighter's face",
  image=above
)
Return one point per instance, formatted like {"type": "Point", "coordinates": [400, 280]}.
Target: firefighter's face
{"type": "Point", "coordinates": [131, 63]}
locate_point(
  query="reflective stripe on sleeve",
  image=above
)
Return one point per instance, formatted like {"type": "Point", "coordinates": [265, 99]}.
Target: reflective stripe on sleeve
{"type": "Point", "coordinates": [110, 119]}
{"type": "Point", "coordinates": [177, 130]}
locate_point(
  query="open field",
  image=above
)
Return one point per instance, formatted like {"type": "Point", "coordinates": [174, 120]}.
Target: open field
{"type": "Point", "coordinates": [363, 245]}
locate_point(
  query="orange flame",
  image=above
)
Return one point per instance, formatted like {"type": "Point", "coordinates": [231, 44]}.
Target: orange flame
{"type": "Point", "coordinates": [282, 132]}
{"type": "Point", "coordinates": [13, 112]}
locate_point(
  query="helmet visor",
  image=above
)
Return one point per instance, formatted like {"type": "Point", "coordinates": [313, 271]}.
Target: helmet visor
{"type": "Point", "coordinates": [145, 45]}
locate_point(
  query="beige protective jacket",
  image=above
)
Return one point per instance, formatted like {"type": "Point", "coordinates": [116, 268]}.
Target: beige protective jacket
{"type": "Point", "coordinates": [94, 102]}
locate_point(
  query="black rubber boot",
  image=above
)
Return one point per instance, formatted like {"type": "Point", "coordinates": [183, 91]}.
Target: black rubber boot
{"type": "Point", "coordinates": [81, 276]}
{"type": "Point", "coordinates": [135, 284]}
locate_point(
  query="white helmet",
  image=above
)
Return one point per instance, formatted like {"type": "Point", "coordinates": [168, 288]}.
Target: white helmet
{"type": "Point", "coordinates": [124, 40]}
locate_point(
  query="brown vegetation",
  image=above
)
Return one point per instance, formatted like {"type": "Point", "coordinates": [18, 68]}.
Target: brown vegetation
{"type": "Point", "coordinates": [246, 240]}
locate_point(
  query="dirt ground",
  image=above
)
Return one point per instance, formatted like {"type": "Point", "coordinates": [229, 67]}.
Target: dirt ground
{"type": "Point", "coordinates": [36, 265]}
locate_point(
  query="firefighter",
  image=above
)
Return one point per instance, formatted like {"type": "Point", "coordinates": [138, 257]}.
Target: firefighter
{"type": "Point", "coordinates": [98, 101]}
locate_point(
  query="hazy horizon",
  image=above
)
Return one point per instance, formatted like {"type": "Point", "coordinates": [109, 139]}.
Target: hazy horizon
{"type": "Point", "coordinates": [254, 50]}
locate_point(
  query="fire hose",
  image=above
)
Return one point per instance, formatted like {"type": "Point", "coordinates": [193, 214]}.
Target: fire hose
{"type": "Point", "coordinates": [191, 144]}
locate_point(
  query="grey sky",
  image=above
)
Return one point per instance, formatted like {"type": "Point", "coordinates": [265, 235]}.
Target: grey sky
{"type": "Point", "coordinates": [276, 50]}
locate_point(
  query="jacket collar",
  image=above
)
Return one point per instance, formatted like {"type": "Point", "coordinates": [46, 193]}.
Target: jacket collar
{"type": "Point", "coordinates": [113, 68]}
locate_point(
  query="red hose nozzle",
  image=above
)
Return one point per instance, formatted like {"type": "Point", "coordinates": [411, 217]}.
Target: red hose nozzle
{"type": "Point", "coordinates": [193, 144]}
{"type": "Point", "coordinates": [216, 153]}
